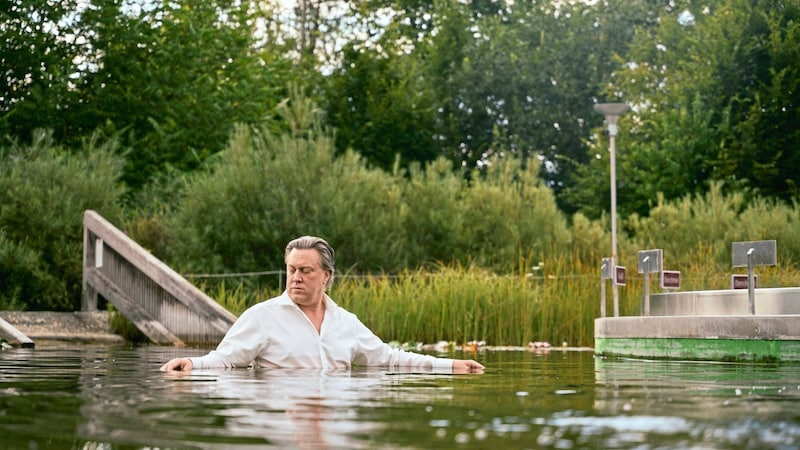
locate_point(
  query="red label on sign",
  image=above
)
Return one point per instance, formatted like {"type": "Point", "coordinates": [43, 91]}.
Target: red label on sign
{"type": "Point", "coordinates": [740, 281]}
{"type": "Point", "coordinates": [670, 279]}
{"type": "Point", "coordinates": [619, 275]}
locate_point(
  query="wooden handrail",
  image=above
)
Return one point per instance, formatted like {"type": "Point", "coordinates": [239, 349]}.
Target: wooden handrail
{"type": "Point", "coordinates": [11, 333]}
{"type": "Point", "coordinates": [166, 307]}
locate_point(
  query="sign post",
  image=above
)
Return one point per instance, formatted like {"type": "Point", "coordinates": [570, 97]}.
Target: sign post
{"type": "Point", "coordinates": [751, 254]}
{"type": "Point", "coordinates": [649, 262]}
{"type": "Point", "coordinates": [605, 274]}
{"type": "Point", "coordinates": [609, 271]}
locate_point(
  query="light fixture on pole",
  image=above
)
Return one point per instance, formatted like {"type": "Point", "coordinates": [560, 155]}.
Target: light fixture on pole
{"type": "Point", "coordinates": [612, 111]}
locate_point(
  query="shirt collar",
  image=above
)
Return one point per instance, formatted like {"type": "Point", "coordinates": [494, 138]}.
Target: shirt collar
{"type": "Point", "coordinates": [284, 299]}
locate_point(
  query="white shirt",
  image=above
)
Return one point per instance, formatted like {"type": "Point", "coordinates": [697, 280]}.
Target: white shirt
{"type": "Point", "coordinates": [277, 334]}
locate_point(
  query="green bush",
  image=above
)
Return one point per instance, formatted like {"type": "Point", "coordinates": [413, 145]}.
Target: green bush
{"type": "Point", "coordinates": [23, 276]}
{"type": "Point", "coordinates": [510, 216]}
{"type": "Point", "coordinates": [265, 189]}
{"type": "Point", "coordinates": [435, 218]}
{"type": "Point", "coordinates": [702, 228]}
{"type": "Point", "coordinates": [43, 194]}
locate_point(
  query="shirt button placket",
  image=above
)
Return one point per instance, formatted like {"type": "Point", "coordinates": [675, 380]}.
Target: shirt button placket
{"type": "Point", "coordinates": [323, 357]}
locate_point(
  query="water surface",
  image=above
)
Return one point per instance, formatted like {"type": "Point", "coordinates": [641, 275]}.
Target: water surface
{"type": "Point", "coordinates": [94, 397]}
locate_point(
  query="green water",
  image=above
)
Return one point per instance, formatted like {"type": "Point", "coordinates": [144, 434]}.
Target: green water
{"type": "Point", "coordinates": [115, 397]}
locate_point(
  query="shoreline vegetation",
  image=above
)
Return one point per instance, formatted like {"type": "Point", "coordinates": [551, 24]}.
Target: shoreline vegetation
{"type": "Point", "coordinates": [488, 257]}
{"type": "Point", "coordinates": [457, 307]}
{"type": "Point", "coordinates": [449, 151]}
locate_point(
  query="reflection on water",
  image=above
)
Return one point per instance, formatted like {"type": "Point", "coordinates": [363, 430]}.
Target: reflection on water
{"type": "Point", "coordinates": [719, 404]}
{"type": "Point", "coordinates": [115, 397]}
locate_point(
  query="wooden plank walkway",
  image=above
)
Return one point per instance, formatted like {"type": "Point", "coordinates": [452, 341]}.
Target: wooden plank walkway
{"type": "Point", "coordinates": [45, 328]}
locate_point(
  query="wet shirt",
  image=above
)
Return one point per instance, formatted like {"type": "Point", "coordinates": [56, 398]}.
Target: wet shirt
{"type": "Point", "coordinates": [277, 334]}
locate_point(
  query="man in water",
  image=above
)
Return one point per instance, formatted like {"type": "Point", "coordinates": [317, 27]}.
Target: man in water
{"type": "Point", "coordinates": [304, 328]}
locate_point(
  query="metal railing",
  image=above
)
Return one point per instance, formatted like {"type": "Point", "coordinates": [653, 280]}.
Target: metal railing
{"type": "Point", "coordinates": [166, 307]}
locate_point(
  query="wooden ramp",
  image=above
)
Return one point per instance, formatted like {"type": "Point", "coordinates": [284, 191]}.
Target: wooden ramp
{"type": "Point", "coordinates": [167, 308]}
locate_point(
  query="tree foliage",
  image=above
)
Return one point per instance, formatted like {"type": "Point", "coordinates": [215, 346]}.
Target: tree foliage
{"type": "Point", "coordinates": [169, 78]}
{"type": "Point", "coordinates": [476, 80]}
{"type": "Point", "coordinates": [715, 92]}
{"type": "Point", "coordinates": [40, 39]}
{"type": "Point", "coordinates": [267, 188]}
{"type": "Point", "coordinates": [714, 85]}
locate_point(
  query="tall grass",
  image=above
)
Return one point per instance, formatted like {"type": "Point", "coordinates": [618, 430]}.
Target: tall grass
{"type": "Point", "coordinates": [461, 304]}
{"type": "Point", "coordinates": [557, 303]}
{"type": "Point", "coordinates": [447, 303]}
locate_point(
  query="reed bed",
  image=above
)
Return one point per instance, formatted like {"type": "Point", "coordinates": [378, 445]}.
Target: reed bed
{"type": "Point", "coordinates": [556, 304]}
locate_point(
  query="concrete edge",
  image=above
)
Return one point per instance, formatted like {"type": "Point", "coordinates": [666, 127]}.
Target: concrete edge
{"type": "Point", "coordinates": [782, 327]}
{"type": "Point", "coordinates": [38, 328]}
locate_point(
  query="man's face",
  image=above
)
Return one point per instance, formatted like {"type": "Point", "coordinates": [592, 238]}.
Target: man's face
{"type": "Point", "coordinates": [305, 279]}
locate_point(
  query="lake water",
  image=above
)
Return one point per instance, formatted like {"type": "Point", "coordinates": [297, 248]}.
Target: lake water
{"type": "Point", "coordinates": [94, 397]}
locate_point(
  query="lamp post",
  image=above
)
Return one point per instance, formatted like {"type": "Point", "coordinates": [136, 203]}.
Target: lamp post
{"type": "Point", "coordinates": [612, 111]}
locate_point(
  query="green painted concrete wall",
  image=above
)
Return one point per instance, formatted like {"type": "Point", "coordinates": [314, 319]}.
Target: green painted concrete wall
{"type": "Point", "coordinates": [693, 349]}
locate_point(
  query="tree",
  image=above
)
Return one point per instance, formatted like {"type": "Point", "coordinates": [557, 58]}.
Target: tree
{"type": "Point", "coordinates": [40, 39]}
{"type": "Point", "coordinates": [381, 103]}
{"type": "Point", "coordinates": [43, 193]}
{"type": "Point", "coordinates": [170, 78]}
{"type": "Point", "coordinates": [673, 162]}
{"type": "Point", "coordinates": [466, 81]}
{"type": "Point", "coordinates": [715, 95]}
{"type": "Point", "coordinates": [175, 77]}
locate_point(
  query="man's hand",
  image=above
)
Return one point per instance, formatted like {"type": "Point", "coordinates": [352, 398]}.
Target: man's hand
{"type": "Point", "coordinates": [467, 366]}
{"type": "Point", "coordinates": [182, 364]}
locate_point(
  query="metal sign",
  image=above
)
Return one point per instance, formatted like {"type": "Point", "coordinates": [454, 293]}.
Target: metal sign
{"type": "Point", "coordinates": [739, 281]}
{"type": "Point", "coordinates": [619, 275]}
{"type": "Point", "coordinates": [752, 254]}
{"type": "Point", "coordinates": [670, 279]}
{"type": "Point", "coordinates": [605, 269]}
{"type": "Point", "coordinates": [650, 261]}
{"type": "Point", "coordinates": [763, 253]}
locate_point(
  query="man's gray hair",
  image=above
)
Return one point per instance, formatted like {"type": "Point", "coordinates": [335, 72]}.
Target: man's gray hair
{"type": "Point", "coordinates": [321, 245]}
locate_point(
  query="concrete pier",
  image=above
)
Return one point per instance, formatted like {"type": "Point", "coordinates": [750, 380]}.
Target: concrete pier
{"type": "Point", "coordinates": [711, 338]}
{"type": "Point", "coordinates": [708, 325]}
{"type": "Point", "coordinates": [768, 301]}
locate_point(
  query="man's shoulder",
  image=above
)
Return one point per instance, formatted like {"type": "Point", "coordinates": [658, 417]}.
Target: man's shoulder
{"type": "Point", "coordinates": [340, 311]}
{"type": "Point", "coordinates": [268, 304]}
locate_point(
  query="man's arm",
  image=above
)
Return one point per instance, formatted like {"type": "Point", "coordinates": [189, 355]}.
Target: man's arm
{"type": "Point", "coordinates": [237, 349]}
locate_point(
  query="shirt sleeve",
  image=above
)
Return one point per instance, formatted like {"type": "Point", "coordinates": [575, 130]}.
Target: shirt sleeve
{"type": "Point", "coordinates": [238, 348]}
{"type": "Point", "coordinates": [372, 351]}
